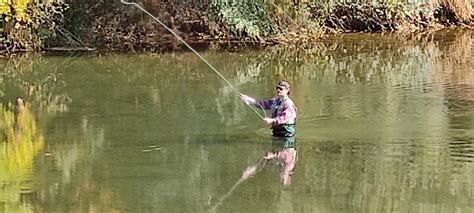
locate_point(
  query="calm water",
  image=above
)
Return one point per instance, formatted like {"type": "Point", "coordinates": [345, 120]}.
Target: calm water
{"type": "Point", "coordinates": [385, 125]}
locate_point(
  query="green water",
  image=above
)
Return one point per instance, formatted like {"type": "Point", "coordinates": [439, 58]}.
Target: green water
{"type": "Point", "coordinates": [385, 125]}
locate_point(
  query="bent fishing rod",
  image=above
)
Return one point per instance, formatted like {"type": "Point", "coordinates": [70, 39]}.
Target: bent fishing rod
{"type": "Point", "coordinates": [195, 52]}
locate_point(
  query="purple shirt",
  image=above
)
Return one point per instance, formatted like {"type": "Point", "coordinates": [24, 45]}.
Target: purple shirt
{"type": "Point", "coordinates": [283, 109]}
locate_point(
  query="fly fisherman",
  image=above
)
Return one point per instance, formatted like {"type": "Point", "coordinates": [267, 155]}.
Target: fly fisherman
{"type": "Point", "coordinates": [283, 110]}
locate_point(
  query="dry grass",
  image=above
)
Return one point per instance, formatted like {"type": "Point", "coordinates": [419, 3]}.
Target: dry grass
{"type": "Point", "coordinates": [459, 10]}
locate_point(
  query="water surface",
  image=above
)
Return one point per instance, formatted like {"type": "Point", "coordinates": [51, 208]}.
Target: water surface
{"type": "Point", "coordinates": [385, 125]}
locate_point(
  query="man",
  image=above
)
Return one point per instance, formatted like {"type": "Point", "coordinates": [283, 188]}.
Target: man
{"type": "Point", "coordinates": [283, 110]}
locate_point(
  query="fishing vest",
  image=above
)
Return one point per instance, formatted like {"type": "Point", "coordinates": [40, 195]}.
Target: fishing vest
{"type": "Point", "coordinates": [282, 130]}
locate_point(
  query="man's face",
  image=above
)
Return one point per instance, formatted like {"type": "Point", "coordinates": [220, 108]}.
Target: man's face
{"type": "Point", "coordinates": [281, 91]}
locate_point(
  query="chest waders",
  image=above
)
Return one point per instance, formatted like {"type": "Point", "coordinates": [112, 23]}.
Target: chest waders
{"type": "Point", "coordinates": [282, 130]}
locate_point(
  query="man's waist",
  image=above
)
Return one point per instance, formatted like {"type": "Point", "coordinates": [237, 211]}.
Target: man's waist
{"type": "Point", "coordinates": [285, 124]}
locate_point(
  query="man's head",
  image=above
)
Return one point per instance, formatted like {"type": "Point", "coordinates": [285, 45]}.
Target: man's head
{"type": "Point", "coordinates": [283, 88]}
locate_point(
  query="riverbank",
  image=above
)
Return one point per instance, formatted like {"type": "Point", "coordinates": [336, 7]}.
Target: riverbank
{"type": "Point", "coordinates": [115, 27]}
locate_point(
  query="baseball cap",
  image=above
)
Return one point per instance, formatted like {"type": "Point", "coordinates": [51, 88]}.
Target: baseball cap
{"type": "Point", "coordinates": [283, 84]}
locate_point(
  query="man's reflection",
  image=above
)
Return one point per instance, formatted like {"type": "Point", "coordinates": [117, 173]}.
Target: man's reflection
{"type": "Point", "coordinates": [284, 154]}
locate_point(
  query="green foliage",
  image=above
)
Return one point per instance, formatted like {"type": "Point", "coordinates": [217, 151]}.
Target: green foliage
{"type": "Point", "coordinates": [248, 18]}
{"type": "Point", "coordinates": [34, 32]}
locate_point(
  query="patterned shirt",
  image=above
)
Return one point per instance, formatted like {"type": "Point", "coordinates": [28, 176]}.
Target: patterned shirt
{"type": "Point", "coordinates": [283, 109]}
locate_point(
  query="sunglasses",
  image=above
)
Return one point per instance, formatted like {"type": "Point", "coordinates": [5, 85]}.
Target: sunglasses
{"type": "Point", "coordinates": [280, 88]}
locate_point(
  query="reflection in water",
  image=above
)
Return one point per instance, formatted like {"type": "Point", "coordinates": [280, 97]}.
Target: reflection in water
{"type": "Point", "coordinates": [250, 171]}
{"type": "Point", "coordinates": [284, 153]}
{"type": "Point", "coordinates": [36, 79]}
{"type": "Point", "coordinates": [22, 143]}
{"type": "Point", "coordinates": [385, 125]}
{"type": "Point", "coordinates": [74, 143]}
{"type": "Point", "coordinates": [350, 175]}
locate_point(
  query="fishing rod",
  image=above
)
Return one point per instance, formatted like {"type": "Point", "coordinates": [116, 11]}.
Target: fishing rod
{"type": "Point", "coordinates": [195, 52]}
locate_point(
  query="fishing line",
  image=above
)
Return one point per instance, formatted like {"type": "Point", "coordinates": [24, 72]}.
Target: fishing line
{"type": "Point", "coordinates": [195, 52]}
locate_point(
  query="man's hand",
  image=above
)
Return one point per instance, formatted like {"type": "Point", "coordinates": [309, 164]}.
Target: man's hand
{"type": "Point", "coordinates": [269, 120]}
{"type": "Point", "coordinates": [247, 100]}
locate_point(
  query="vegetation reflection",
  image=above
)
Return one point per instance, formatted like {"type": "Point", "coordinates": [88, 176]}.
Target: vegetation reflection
{"type": "Point", "coordinates": [22, 142]}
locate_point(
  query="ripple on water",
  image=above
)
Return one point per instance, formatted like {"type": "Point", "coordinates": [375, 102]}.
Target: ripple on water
{"type": "Point", "coordinates": [461, 149]}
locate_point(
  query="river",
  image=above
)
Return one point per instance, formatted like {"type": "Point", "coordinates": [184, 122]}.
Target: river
{"type": "Point", "coordinates": [385, 124]}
